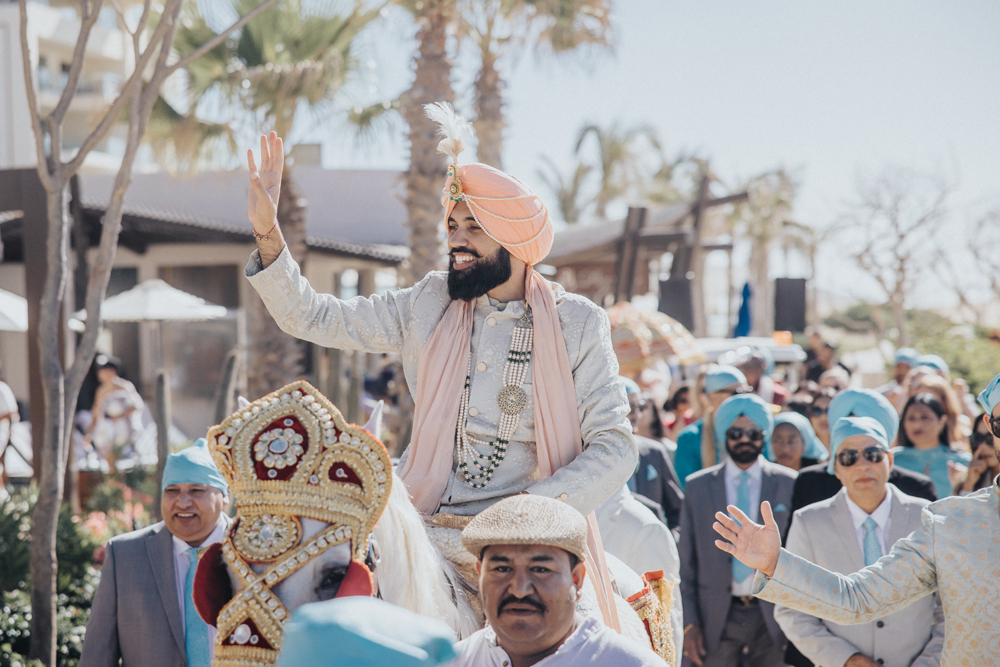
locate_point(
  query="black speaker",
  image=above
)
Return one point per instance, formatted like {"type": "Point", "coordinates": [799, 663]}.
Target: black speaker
{"type": "Point", "coordinates": [790, 304]}
{"type": "Point", "coordinates": [675, 300]}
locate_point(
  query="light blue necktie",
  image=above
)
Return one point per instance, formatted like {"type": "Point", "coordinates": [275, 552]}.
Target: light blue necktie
{"type": "Point", "coordinates": [873, 550]}
{"type": "Point", "coordinates": [195, 629]}
{"type": "Point", "coordinates": [741, 571]}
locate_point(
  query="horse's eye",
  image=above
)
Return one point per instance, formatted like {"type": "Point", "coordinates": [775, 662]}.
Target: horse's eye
{"type": "Point", "coordinates": [330, 583]}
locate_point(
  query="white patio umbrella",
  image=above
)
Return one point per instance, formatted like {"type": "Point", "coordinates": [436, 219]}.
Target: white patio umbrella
{"type": "Point", "coordinates": [13, 312]}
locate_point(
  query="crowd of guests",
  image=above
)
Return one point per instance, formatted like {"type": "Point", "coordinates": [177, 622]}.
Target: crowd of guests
{"type": "Point", "coordinates": [846, 471]}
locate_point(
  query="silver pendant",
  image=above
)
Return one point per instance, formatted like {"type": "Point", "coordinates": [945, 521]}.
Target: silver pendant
{"type": "Point", "coordinates": [512, 400]}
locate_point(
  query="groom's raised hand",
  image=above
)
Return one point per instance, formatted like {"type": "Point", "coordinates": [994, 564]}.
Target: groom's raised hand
{"type": "Point", "coordinates": [265, 185]}
{"type": "Point", "coordinates": [752, 544]}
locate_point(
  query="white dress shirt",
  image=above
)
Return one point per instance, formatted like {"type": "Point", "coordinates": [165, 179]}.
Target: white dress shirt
{"type": "Point", "coordinates": [732, 482]}
{"type": "Point", "coordinates": [592, 643]}
{"type": "Point", "coordinates": [881, 517]}
{"type": "Point", "coordinates": [181, 565]}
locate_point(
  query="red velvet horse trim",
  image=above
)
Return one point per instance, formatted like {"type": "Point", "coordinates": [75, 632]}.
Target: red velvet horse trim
{"type": "Point", "coordinates": [357, 581]}
{"type": "Point", "coordinates": [212, 587]}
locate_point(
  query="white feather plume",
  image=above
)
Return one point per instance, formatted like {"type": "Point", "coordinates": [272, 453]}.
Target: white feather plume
{"type": "Point", "coordinates": [451, 127]}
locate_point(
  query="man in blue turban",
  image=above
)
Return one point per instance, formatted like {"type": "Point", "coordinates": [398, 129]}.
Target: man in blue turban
{"type": "Point", "coordinates": [816, 482]}
{"type": "Point", "coordinates": [903, 362]}
{"type": "Point", "coordinates": [143, 612]}
{"type": "Point", "coordinates": [951, 553]}
{"type": "Point", "coordinates": [721, 618]}
{"type": "Point", "coordinates": [364, 632]}
{"type": "Point", "coordinates": [695, 442]}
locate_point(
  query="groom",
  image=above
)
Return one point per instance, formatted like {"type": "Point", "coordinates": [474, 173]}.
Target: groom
{"type": "Point", "coordinates": [954, 553]}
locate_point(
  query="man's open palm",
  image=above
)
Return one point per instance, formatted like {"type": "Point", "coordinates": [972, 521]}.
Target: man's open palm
{"type": "Point", "coordinates": [265, 186]}
{"type": "Point", "coordinates": [752, 544]}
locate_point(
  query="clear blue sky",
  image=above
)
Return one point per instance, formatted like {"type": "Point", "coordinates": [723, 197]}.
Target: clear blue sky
{"type": "Point", "coordinates": [830, 90]}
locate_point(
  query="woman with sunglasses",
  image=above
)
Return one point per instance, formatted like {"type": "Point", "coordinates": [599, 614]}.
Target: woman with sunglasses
{"type": "Point", "coordinates": [923, 442]}
{"type": "Point", "coordinates": [953, 552]}
{"type": "Point", "coordinates": [985, 465]}
{"type": "Point", "coordinates": [817, 414]}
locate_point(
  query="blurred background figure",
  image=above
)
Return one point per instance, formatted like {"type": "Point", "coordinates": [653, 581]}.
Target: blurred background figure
{"type": "Point", "coordinates": [817, 414]}
{"type": "Point", "coordinates": [8, 417]}
{"type": "Point", "coordinates": [826, 358]}
{"type": "Point", "coordinates": [679, 413]}
{"type": "Point", "coordinates": [903, 362]}
{"type": "Point", "coordinates": [934, 361]}
{"type": "Point", "coordinates": [116, 418]}
{"type": "Point", "coordinates": [696, 448]}
{"type": "Point", "coordinates": [984, 466]}
{"type": "Point", "coordinates": [926, 381]}
{"type": "Point", "coordinates": [794, 443]}
{"type": "Point", "coordinates": [924, 445]}
{"type": "Point", "coordinates": [836, 378]}
{"type": "Point", "coordinates": [757, 364]}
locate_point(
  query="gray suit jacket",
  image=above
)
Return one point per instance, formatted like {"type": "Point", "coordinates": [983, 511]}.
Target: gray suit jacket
{"type": "Point", "coordinates": [706, 570]}
{"type": "Point", "coordinates": [136, 616]}
{"type": "Point", "coordinates": [824, 534]}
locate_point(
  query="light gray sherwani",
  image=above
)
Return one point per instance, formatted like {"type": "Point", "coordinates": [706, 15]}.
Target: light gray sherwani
{"type": "Point", "coordinates": [401, 322]}
{"type": "Point", "coordinates": [955, 551]}
{"type": "Point", "coordinates": [136, 616]}
{"type": "Point", "coordinates": [821, 533]}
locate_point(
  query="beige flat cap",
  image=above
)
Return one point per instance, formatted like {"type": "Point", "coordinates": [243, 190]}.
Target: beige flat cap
{"type": "Point", "coordinates": [527, 519]}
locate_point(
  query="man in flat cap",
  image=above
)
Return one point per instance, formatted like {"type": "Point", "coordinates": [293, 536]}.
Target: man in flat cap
{"type": "Point", "coordinates": [143, 613]}
{"type": "Point", "coordinates": [529, 552]}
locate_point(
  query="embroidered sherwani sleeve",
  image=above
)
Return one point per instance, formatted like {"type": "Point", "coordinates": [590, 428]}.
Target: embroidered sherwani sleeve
{"type": "Point", "coordinates": [896, 580]}
{"type": "Point", "coordinates": [374, 324]}
{"type": "Point", "coordinates": [609, 451]}
{"type": "Point", "coordinates": [810, 634]}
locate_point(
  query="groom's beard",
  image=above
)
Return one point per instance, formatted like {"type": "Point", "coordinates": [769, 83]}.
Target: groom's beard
{"type": "Point", "coordinates": [484, 274]}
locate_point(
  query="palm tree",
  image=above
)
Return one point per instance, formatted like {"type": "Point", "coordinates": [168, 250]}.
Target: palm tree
{"type": "Point", "coordinates": [296, 57]}
{"type": "Point", "coordinates": [567, 190]}
{"type": "Point", "coordinates": [502, 28]}
{"type": "Point", "coordinates": [621, 168]}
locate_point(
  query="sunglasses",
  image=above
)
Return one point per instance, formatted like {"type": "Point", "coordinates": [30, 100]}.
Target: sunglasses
{"type": "Point", "coordinates": [817, 411]}
{"type": "Point", "coordinates": [849, 457]}
{"type": "Point", "coordinates": [735, 433]}
{"type": "Point", "coordinates": [977, 439]}
{"type": "Point", "coordinates": [995, 426]}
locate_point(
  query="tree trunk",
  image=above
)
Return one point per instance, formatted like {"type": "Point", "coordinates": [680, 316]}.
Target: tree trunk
{"type": "Point", "coordinates": [899, 318]}
{"type": "Point", "coordinates": [763, 294]}
{"type": "Point", "coordinates": [489, 123]}
{"type": "Point", "coordinates": [275, 358]}
{"type": "Point", "coordinates": [425, 176]}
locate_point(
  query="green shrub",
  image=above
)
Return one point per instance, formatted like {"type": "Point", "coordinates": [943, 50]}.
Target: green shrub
{"type": "Point", "coordinates": [15, 631]}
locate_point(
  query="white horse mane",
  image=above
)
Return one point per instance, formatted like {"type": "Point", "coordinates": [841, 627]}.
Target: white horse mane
{"type": "Point", "coordinates": [412, 573]}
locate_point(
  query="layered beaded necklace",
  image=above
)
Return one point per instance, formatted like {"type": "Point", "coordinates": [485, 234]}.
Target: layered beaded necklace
{"type": "Point", "coordinates": [477, 469]}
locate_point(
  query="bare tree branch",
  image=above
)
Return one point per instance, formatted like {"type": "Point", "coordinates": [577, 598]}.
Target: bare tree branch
{"type": "Point", "coordinates": [29, 87]}
{"type": "Point", "coordinates": [91, 11]}
{"type": "Point", "coordinates": [220, 38]}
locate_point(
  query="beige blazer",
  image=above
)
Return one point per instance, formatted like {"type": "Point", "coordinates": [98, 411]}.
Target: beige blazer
{"type": "Point", "coordinates": [822, 533]}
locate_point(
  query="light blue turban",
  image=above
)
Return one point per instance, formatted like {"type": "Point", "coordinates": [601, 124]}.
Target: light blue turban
{"type": "Point", "coordinates": [723, 376]}
{"type": "Point", "coordinates": [814, 449]}
{"type": "Point", "coordinates": [934, 361]}
{"type": "Point", "coordinates": [849, 427]}
{"type": "Point", "coordinates": [907, 355]}
{"type": "Point", "coordinates": [990, 397]}
{"type": "Point", "coordinates": [193, 465]}
{"type": "Point", "coordinates": [747, 405]}
{"type": "Point", "coordinates": [865, 403]}
{"type": "Point", "coordinates": [364, 632]}
{"type": "Point", "coordinates": [631, 386]}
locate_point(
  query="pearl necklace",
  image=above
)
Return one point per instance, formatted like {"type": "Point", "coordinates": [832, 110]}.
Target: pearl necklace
{"type": "Point", "coordinates": [511, 401]}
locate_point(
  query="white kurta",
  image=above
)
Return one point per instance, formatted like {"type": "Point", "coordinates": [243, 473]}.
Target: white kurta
{"type": "Point", "coordinates": [592, 643]}
{"type": "Point", "coordinates": [401, 322]}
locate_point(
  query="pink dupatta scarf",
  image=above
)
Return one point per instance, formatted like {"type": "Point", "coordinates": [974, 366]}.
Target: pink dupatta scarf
{"type": "Point", "coordinates": [557, 421]}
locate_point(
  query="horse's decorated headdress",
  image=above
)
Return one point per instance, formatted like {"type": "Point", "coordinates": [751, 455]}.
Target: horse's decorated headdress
{"type": "Point", "coordinates": [288, 455]}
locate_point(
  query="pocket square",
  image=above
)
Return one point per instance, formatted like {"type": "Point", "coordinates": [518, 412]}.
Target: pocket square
{"type": "Point", "coordinates": [780, 508]}
{"type": "Point", "coordinates": [651, 472]}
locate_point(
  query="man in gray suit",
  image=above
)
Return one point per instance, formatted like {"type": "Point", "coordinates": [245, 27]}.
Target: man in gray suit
{"type": "Point", "coordinates": [878, 515]}
{"type": "Point", "coordinates": [143, 613]}
{"type": "Point", "coordinates": [721, 617]}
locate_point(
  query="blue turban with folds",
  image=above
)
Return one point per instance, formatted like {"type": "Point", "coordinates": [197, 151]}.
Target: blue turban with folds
{"type": "Point", "coordinates": [745, 405]}
{"type": "Point", "coordinates": [907, 355]}
{"type": "Point", "coordinates": [723, 376]}
{"type": "Point", "coordinates": [934, 361]}
{"type": "Point", "coordinates": [990, 397]}
{"type": "Point", "coordinates": [848, 427]}
{"type": "Point", "coordinates": [193, 465]}
{"type": "Point", "coordinates": [814, 449]}
{"type": "Point", "coordinates": [364, 632]}
{"type": "Point", "coordinates": [865, 403]}
{"type": "Point", "coordinates": [631, 386]}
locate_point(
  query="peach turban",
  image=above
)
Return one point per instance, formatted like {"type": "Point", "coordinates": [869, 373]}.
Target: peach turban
{"type": "Point", "coordinates": [506, 209]}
